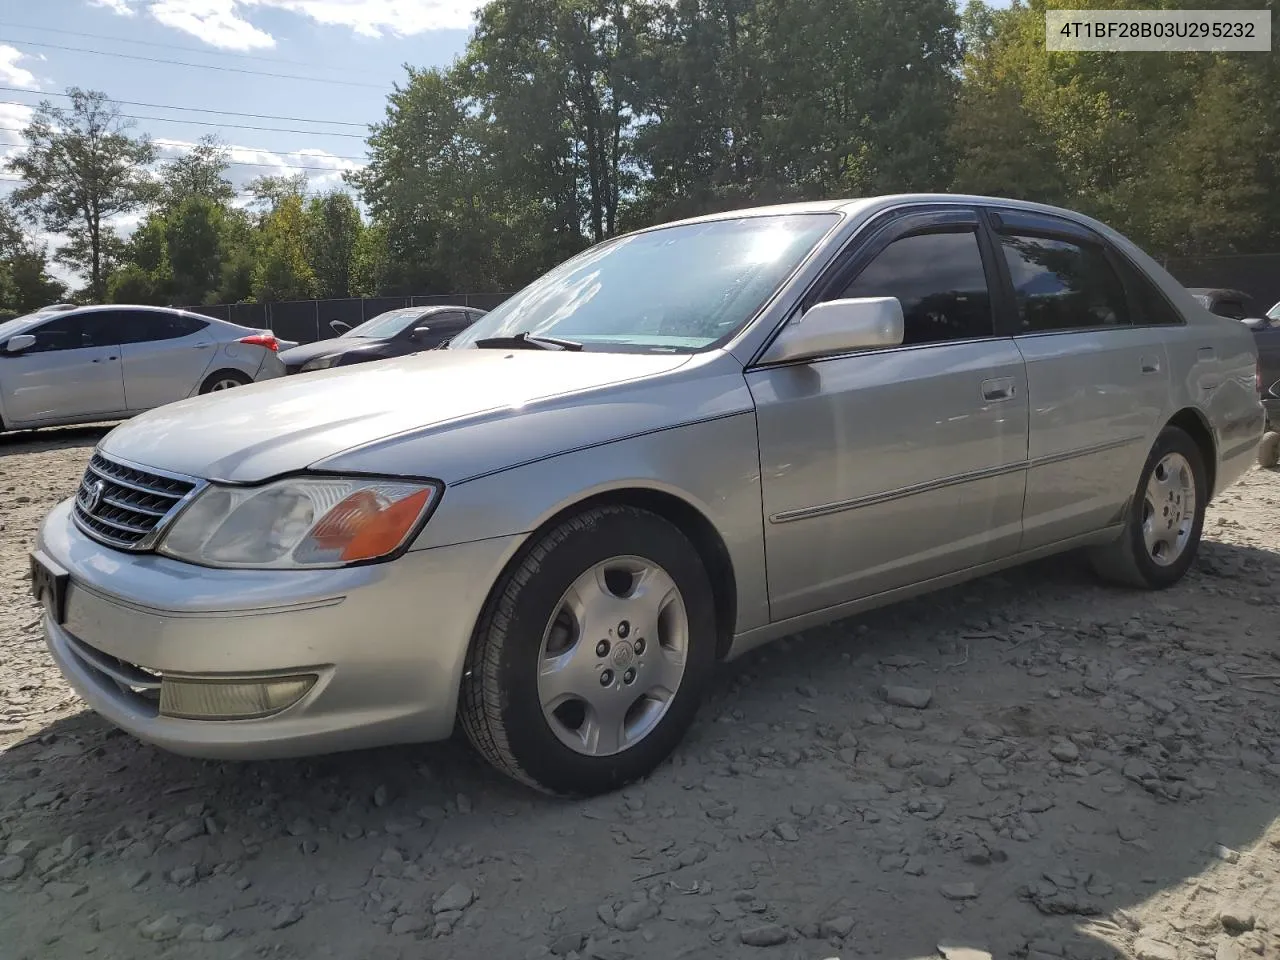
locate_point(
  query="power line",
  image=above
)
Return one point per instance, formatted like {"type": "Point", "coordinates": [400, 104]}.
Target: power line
{"type": "Point", "coordinates": [284, 164]}
{"type": "Point", "coordinates": [202, 66]}
{"type": "Point", "coordinates": [229, 126]}
{"type": "Point", "coordinates": [180, 143]}
{"type": "Point", "coordinates": [170, 46]}
{"type": "Point", "coordinates": [166, 106]}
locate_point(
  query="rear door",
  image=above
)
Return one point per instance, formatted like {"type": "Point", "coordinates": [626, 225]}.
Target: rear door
{"type": "Point", "coordinates": [164, 355]}
{"type": "Point", "coordinates": [1097, 373]}
{"type": "Point", "coordinates": [72, 371]}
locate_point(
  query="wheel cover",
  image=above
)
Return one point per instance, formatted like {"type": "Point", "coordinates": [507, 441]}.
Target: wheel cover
{"type": "Point", "coordinates": [226, 383]}
{"type": "Point", "coordinates": [1169, 509]}
{"type": "Point", "coordinates": [613, 656]}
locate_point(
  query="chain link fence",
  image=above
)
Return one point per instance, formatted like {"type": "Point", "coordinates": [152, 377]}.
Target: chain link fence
{"type": "Point", "coordinates": [1258, 275]}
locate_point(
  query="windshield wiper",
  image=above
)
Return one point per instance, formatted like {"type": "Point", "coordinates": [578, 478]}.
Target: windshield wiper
{"type": "Point", "coordinates": [522, 341]}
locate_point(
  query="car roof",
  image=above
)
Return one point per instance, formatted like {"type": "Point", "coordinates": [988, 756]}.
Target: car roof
{"type": "Point", "coordinates": [103, 307]}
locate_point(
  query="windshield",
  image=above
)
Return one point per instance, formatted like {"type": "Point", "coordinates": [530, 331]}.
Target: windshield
{"type": "Point", "coordinates": [1274, 312]}
{"type": "Point", "coordinates": [676, 289]}
{"type": "Point", "coordinates": [385, 325]}
{"type": "Point", "coordinates": [10, 327]}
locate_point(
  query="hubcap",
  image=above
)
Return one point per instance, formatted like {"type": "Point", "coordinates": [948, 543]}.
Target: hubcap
{"type": "Point", "coordinates": [226, 384]}
{"type": "Point", "coordinates": [1169, 509]}
{"type": "Point", "coordinates": [613, 656]}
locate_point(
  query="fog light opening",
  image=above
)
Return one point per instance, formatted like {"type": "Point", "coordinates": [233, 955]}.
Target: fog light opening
{"type": "Point", "coordinates": [186, 699]}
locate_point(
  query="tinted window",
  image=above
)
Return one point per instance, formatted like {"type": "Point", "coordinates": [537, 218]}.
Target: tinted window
{"type": "Point", "coordinates": [73, 332]}
{"type": "Point", "coordinates": [939, 280]}
{"type": "Point", "coordinates": [1063, 285]}
{"type": "Point", "coordinates": [144, 326]}
{"type": "Point", "coordinates": [1233, 309]}
{"type": "Point", "coordinates": [1153, 309]}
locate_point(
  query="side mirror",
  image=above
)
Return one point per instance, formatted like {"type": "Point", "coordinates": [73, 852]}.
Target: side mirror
{"type": "Point", "coordinates": [839, 326]}
{"type": "Point", "coordinates": [337, 326]}
{"type": "Point", "coordinates": [419, 333]}
{"type": "Point", "coordinates": [22, 341]}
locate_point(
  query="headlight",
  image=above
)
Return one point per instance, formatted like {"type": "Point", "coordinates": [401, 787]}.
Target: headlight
{"type": "Point", "coordinates": [299, 522]}
{"type": "Point", "coordinates": [321, 363]}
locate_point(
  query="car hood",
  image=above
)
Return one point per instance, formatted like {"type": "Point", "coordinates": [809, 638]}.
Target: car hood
{"type": "Point", "coordinates": [285, 424]}
{"type": "Point", "coordinates": [296, 356]}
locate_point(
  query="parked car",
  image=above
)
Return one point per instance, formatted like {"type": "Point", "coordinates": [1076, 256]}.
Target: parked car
{"type": "Point", "coordinates": [1266, 332]}
{"type": "Point", "coordinates": [671, 449]}
{"type": "Point", "coordinates": [1224, 302]}
{"type": "Point", "coordinates": [395, 333]}
{"type": "Point", "coordinates": [105, 363]}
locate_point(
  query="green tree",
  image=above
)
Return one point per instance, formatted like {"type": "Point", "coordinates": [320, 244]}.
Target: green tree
{"type": "Point", "coordinates": [25, 282]}
{"type": "Point", "coordinates": [200, 172]}
{"type": "Point", "coordinates": [80, 169]}
{"type": "Point", "coordinates": [282, 271]}
{"type": "Point", "coordinates": [334, 228]}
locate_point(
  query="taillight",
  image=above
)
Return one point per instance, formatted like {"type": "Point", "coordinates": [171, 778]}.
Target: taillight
{"type": "Point", "coordinates": [267, 340]}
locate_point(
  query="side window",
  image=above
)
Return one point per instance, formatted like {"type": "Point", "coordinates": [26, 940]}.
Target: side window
{"type": "Point", "coordinates": [1231, 309]}
{"type": "Point", "coordinates": [939, 280]}
{"type": "Point", "coordinates": [73, 332]}
{"type": "Point", "coordinates": [1153, 309]}
{"type": "Point", "coordinates": [1063, 284]}
{"type": "Point", "coordinates": [143, 326]}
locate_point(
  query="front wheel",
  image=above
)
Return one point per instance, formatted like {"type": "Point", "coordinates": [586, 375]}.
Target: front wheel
{"type": "Point", "coordinates": [592, 654]}
{"type": "Point", "coordinates": [1162, 532]}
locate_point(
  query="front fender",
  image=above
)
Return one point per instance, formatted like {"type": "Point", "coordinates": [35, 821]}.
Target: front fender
{"type": "Point", "coordinates": [712, 465]}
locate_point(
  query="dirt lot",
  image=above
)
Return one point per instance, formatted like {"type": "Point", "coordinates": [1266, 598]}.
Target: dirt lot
{"type": "Point", "coordinates": [1096, 774]}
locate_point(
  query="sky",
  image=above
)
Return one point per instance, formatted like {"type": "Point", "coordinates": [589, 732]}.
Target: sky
{"type": "Point", "coordinates": [333, 63]}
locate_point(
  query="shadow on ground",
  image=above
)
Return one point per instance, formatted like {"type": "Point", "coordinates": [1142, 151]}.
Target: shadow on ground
{"type": "Point", "coordinates": [1090, 760]}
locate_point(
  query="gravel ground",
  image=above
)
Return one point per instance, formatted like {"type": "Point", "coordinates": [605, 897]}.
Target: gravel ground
{"type": "Point", "coordinates": [1030, 765]}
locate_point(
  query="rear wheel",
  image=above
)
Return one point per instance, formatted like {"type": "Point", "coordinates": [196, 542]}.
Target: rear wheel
{"type": "Point", "coordinates": [592, 655]}
{"type": "Point", "coordinates": [1166, 516]}
{"type": "Point", "coordinates": [224, 380]}
{"type": "Point", "coordinates": [1269, 449]}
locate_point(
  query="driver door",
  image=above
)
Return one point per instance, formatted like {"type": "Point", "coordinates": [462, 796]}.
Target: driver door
{"type": "Point", "coordinates": [71, 372]}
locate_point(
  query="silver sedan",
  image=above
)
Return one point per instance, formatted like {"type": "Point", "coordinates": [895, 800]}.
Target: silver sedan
{"type": "Point", "coordinates": [673, 448]}
{"type": "Point", "coordinates": [81, 365]}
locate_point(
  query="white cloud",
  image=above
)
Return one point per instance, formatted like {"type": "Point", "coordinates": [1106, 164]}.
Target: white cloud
{"type": "Point", "coordinates": [216, 22]}
{"type": "Point", "coordinates": [115, 6]}
{"type": "Point", "coordinates": [11, 140]}
{"type": "Point", "coordinates": [375, 18]}
{"type": "Point", "coordinates": [225, 24]}
{"type": "Point", "coordinates": [273, 164]}
{"type": "Point", "coordinates": [10, 73]}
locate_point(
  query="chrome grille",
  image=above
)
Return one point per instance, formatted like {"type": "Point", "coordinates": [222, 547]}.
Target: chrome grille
{"type": "Point", "coordinates": [125, 506]}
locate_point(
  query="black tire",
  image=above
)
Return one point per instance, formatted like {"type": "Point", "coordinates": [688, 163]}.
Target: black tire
{"type": "Point", "coordinates": [1269, 449]}
{"type": "Point", "coordinates": [220, 376]}
{"type": "Point", "coordinates": [499, 706]}
{"type": "Point", "coordinates": [1126, 560]}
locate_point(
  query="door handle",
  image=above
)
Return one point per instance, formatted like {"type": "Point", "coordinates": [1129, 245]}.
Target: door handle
{"type": "Point", "coordinates": [1206, 353]}
{"type": "Point", "coordinates": [998, 390]}
{"type": "Point", "coordinates": [1150, 365]}
{"type": "Point", "coordinates": [100, 359]}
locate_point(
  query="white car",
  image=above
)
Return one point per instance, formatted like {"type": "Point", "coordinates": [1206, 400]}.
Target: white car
{"type": "Point", "coordinates": [106, 363]}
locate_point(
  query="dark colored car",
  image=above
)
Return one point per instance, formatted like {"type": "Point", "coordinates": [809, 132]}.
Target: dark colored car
{"type": "Point", "coordinates": [1222, 301]}
{"type": "Point", "coordinates": [391, 334]}
{"type": "Point", "coordinates": [1266, 332]}
{"type": "Point", "coordinates": [1238, 305]}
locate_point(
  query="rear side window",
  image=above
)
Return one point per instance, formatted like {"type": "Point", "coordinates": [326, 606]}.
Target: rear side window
{"type": "Point", "coordinates": [1063, 284]}
{"type": "Point", "coordinates": [144, 326]}
{"type": "Point", "coordinates": [1232, 309]}
{"type": "Point", "coordinates": [940, 282]}
{"type": "Point", "coordinates": [1151, 307]}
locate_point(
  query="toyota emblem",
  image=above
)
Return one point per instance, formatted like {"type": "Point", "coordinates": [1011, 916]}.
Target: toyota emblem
{"type": "Point", "coordinates": [93, 496]}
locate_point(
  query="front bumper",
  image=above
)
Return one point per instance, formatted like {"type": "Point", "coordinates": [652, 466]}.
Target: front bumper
{"type": "Point", "coordinates": [387, 641]}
